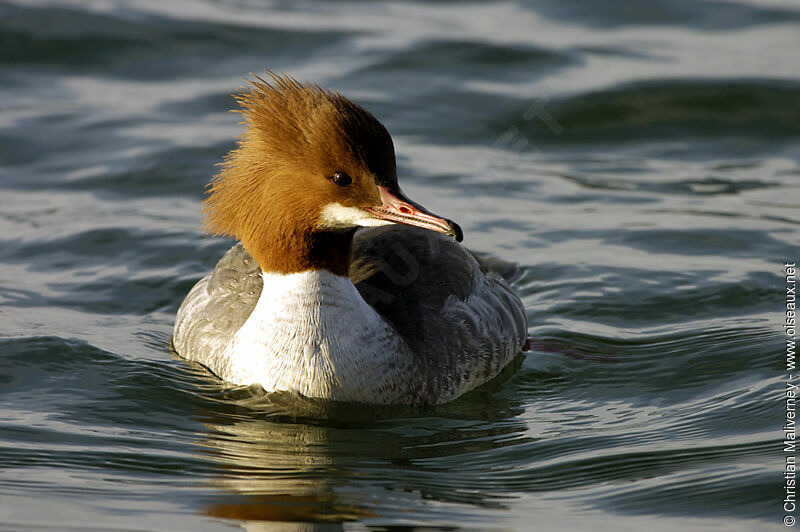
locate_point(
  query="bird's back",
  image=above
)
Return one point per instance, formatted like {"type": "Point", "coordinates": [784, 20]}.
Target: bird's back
{"type": "Point", "coordinates": [456, 310]}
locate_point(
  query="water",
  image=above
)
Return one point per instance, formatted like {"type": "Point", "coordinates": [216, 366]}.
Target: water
{"type": "Point", "coordinates": [639, 159]}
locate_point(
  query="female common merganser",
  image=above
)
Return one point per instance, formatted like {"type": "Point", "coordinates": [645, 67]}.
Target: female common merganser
{"type": "Point", "coordinates": [309, 303]}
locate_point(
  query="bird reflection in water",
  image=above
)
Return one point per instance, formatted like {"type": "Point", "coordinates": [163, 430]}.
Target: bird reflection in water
{"type": "Point", "coordinates": [290, 463]}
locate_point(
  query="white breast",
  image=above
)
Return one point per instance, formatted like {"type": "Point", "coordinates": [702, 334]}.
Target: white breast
{"type": "Point", "coordinates": [312, 333]}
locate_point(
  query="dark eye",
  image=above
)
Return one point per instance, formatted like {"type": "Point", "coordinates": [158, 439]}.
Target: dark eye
{"type": "Point", "coordinates": [341, 179]}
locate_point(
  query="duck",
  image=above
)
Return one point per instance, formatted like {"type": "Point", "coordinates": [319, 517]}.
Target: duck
{"type": "Point", "coordinates": [339, 286]}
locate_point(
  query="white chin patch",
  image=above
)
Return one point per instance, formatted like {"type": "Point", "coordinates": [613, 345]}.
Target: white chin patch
{"type": "Point", "coordinates": [336, 216]}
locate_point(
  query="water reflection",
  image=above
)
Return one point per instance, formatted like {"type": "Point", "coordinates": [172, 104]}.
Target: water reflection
{"type": "Point", "coordinates": [283, 459]}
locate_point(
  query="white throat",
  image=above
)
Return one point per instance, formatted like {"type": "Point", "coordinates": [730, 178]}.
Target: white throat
{"type": "Point", "coordinates": [311, 332]}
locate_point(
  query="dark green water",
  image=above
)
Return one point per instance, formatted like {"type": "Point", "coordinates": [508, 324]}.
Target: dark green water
{"type": "Point", "coordinates": [641, 160]}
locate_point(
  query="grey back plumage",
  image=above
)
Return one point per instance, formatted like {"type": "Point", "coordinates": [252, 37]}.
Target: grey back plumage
{"type": "Point", "coordinates": [461, 318]}
{"type": "Point", "coordinates": [218, 305]}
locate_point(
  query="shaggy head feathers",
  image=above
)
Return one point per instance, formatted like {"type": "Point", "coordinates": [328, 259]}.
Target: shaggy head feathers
{"type": "Point", "coordinates": [273, 185]}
